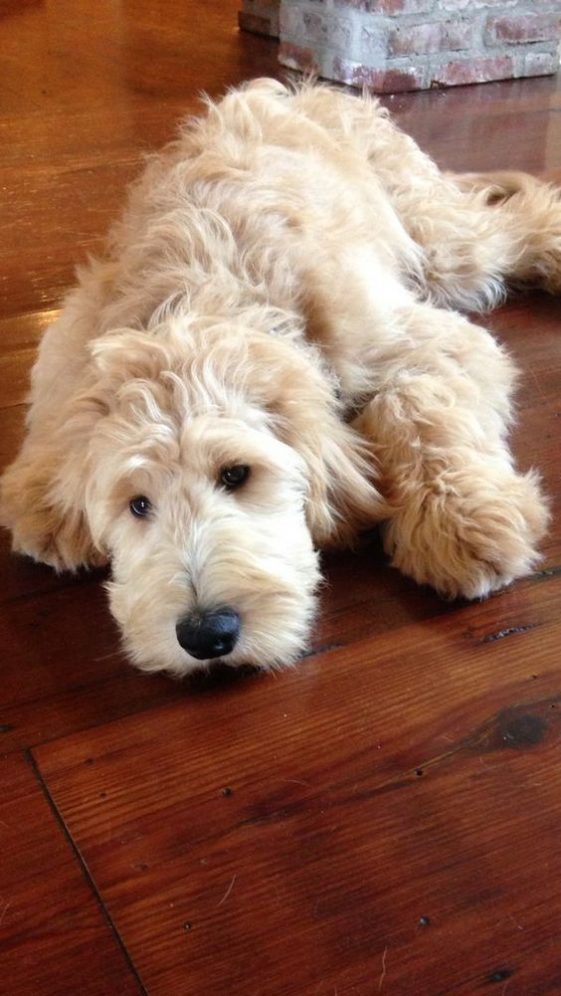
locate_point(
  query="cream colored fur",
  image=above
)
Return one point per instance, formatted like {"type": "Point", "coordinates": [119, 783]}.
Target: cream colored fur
{"type": "Point", "coordinates": [284, 292]}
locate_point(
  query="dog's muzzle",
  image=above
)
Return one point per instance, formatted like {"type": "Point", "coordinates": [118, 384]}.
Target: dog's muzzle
{"type": "Point", "coordinates": [205, 635]}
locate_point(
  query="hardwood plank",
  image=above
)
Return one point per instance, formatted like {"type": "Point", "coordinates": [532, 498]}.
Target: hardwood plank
{"type": "Point", "coordinates": [20, 335]}
{"type": "Point", "coordinates": [74, 124]}
{"type": "Point", "coordinates": [530, 327]}
{"type": "Point", "coordinates": [12, 431]}
{"type": "Point", "coordinates": [353, 873]}
{"type": "Point", "coordinates": [54, 936]}
{"type": "Point", "coordinates": [58, 633]}
{"type": "Point", "coordinates": [62, 667]}
{"type": "Point", "coordinates": [475, 128]}
{"type": "Point", "coordinates": [57, 218]}
{"type": "Point", "coordinates": [378, 808]}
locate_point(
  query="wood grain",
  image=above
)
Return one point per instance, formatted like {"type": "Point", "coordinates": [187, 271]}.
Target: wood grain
{"type": "Point", "coordinates": [292, 836]}
{"type": "Point", "coordinates": [384, 818]}
{"type": "Point", "coordinates": [51, 923]}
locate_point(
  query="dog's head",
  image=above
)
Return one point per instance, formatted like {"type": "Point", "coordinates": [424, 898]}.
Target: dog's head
{"type": "Point", "coordinates": [208, 463]}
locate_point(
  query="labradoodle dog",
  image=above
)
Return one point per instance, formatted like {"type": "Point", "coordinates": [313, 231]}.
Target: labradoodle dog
{"type": "Point", "coordinates": [273, 358]}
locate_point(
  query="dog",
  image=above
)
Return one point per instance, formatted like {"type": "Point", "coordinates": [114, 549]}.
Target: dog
{"type": "Point", "coordinates": [274, 357]}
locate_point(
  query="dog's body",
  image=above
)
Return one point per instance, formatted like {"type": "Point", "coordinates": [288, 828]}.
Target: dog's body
{"type": "Point", "coordinates": [269, 362]}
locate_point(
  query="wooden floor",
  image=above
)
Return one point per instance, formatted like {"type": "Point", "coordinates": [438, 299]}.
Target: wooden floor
{"type": "Point", "coordinates": [386, 818]}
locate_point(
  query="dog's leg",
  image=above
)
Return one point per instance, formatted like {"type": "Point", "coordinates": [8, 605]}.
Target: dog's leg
{"type": "Point", "coordinates": [465, 521]}
{"type": "Point", "coordinates": [42, 527]}
{"type": "Point", "coordinates": [478, 232]}
{"type": "Point", "coordinates": [38, 491]}
{"type": "Point", "coordinates": [526, 212]}
{"type": "Point", "coordinates": [481, 233]}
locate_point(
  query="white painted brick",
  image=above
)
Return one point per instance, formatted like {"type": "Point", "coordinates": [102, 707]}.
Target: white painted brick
{"type": "Point", "coordinates": [409, 43]}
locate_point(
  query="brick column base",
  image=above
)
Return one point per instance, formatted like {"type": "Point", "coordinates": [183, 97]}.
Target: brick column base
{"type": "Point", "coordinates": [260, 16]}
{"type": "Point", "coordinates": [393, 45]}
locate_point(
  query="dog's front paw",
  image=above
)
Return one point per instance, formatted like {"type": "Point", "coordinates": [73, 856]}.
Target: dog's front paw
{"type": "Point", "coordinates": [473, 532]}
{"type": "Point", "coordinates": [59, 551]}
{"type": "Point", "coordinates": [41, 549]}
{"type": "Point", "coordinates": [41, 527]}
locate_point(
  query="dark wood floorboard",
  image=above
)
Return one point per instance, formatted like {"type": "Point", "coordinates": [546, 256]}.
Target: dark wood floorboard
{"type": "Point", "coordinates": [291, 834]}
{"type": "Point", "coordinates": [383, 819]}
{"type": "Point", "coordinates": [54, 934]}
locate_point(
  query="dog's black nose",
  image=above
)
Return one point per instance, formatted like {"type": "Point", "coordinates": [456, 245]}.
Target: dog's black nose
{"type": "Point", "coordinates": [205, 635]}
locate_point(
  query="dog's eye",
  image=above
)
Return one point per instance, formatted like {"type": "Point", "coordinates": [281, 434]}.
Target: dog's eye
{"type": "Point", "coordinates": [140, 506]}
{"type": "Point", "coordinates": [234, 477]}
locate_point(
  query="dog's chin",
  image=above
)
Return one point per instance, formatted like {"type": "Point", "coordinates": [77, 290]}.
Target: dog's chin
{"type": "Point", "coordinates": [264, 653]}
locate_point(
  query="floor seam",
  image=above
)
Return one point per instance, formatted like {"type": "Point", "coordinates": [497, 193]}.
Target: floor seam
{"type": "Point", "coordinates": [30, 758]}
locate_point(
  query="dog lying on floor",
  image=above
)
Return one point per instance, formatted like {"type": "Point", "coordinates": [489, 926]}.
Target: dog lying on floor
{"type": "Point", "coordinates": [270, 361]}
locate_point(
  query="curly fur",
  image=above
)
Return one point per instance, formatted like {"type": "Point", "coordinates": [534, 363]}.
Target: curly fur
{"type": "Point", "coordinates": [281, 293]}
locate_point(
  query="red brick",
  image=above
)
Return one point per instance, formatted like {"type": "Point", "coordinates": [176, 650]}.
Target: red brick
{"type": "Point", "coordinates": [296, 57]}
{"type": "Point", "coordinates": [261, 8]}
{"type": "Point", "coordinates": [402, 6]}
{"type": "Point", "coordinates": [518, 29]}
{"type": "Point", "coordinates": [379, 80]}
{"type": "Point", "coordinates": [354, 4]}
{"type": "Point", "coordinates": [480, 70]}
{"type": "Point", "coordinates": [468, 6]}
{"type": "Point", "coordinates": [258, 25]}
{"type": "Point", "coordinates": [394, 80]}
{"type": "Point", "coordinates": [391, 6]}
{"type": "Point", "coordinates": [260, 16]}
{"type": "Point", "coordinates": [435, 36]}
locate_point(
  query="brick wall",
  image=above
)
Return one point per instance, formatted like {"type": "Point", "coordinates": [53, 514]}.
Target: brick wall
{"type": "Point", "coordinates": [260, 16]}
{"type": "Point", "coordinates": [392, 45]}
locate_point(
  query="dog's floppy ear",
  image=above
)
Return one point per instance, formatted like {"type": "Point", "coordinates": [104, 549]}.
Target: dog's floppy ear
{"type": "Point", "coordinates": [41, 493]}
{"type": "Point", "coordinates": [342, 497]}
